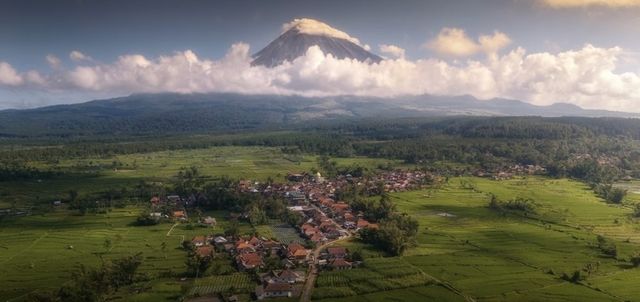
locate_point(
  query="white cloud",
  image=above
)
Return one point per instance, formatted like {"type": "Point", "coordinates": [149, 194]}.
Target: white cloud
{"type": "Point", "coordinates": [591, 3]}
{"type": "Point", "coordinates": [392, 50]}
{"type": "Point", "coordinates": [78, 56]}
{"type": "Point", "coordinates": [53, 61]}
{"type": "Point", "coordinates": [8, 75]}
{"type": "Point", "coordinates": [586, 77]}
{"type": "Point", "coordinates": [455, 42]}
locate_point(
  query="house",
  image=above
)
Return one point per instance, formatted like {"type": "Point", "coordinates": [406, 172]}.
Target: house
{"type": "Point", "coordinates": [56, 202]}
{"type": "Point", "coordinates": [339, 264]}
{"type": "Point", "coordinates": [199, 241]}
{"type": "Point", "coordinates": [210, 221]}
{"type": "Point", "coordinates": [337, 252]}
{"type": "Point", "coordinates": [272, 245]}
{"type": "Point", "coordinates": [249, 261]}
{"type": "Point", "coordinates": [180, 215]}
{"type": "Point", "coordinates": [284, 276]}
{"type": "Point", "coordinates": [274, 290]}
{"type": "Point", "coordinates": [296, 251]}
{"type": "Point", "coordinates": [155, 200]}
{"type": "Point", "coordinates": [362, 223]}
{"type": "Point", "coordinates": [255, 241]}
{"type": "Point", "coordinates": [295, 177]}
{"type": "Point", "coordinates": [244, 247]}
{"type": "Point", "coordinates": [220, 240]}
{"type": "Point", "coordinates": [317, 237]}
{"type": "Point", "coordinates": [205, 251]}
{"type": "Point", "coordinates": [310, 231]}
{"type": "Point", "coordinates": [173, 199]}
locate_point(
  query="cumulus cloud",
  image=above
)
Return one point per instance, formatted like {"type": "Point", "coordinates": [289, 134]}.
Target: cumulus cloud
{"type": "Point", "coordinates": [53, 61]}
{"type": "Point", "coordinates": [590, 3]}
{"type": "Point", "coordinates": [392, 50]}
{"type": "Point", "coordinates": [455, 42]}
{"type": "Point", "coordinates": [585, 77]}
{"type": "Point", "coordinates": [78, 56]}
{"type": "Point", "coordinates": [8, 75]}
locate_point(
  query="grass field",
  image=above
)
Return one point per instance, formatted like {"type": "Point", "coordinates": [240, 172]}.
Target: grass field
{"type": "Point", "coordinates": [465, 249]}
{"type": "Point", "coordinates": [97, 174]}
{"type": "Point", "coordinates": [41, 251]}
{"type": "Point", "coordinates": [493, 257]}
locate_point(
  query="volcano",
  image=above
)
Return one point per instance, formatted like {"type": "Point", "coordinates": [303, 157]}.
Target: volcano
{"type": "Point", "coordinates": [300, 34]}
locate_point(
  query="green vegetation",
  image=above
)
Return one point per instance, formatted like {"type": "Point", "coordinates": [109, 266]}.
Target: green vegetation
{"type": "Point", "coordinates": [566, 233]}
{"type": "Point", "coordinates": [551, 254]}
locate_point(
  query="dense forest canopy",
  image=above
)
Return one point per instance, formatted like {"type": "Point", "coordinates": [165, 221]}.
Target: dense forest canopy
{"type": "Point", "coordinates": [562, 145]}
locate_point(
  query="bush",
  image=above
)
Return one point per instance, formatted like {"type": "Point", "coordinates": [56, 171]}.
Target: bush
{"type": "Point", "coordinates": [635, 260]}
{"type": "Point", "coordinates": [610, 193]}
{"type": "Point", "coordinates": [607, 246]}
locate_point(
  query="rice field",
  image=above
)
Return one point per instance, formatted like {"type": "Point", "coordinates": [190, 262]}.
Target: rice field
{"type": "Point", "coordinates": [474, 252]}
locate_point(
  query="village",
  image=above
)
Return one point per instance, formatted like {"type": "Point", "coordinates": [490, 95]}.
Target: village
{"type": "Point", "coordinates": [324, 221]}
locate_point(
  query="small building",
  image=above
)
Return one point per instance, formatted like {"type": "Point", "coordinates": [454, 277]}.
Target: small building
{"type": "Point", "coordinates": [220, 240]}
{"type": "Point", "coordinates": [284, 276]}
{"type": "Point", "coordinates": [205, 251]}
{"type": "Point", "coordinates": [296, 251]}
{"type": "Point", "coordinates": [272, 290]}
{"type": "Point", "coordinates": [199, 241]}
{"type": "Point", "coordinates": [180, 215]}
{"type": "Point", "coordinates": [249, 261]}
{"type": "Point", "coordinates": [210, 221]}
{"type": "Point", "coordinates": [337, 252]}
{"type": "Point", "coordinates": [339, 264]}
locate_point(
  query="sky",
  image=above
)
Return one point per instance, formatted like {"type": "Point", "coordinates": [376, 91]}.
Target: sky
{"type": "Point", "coordinates": [584, 52]}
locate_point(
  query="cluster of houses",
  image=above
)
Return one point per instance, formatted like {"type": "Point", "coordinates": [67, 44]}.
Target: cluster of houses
{"type": "Point", "coordinates": [323, 219]}
{"type": "Point", "coordinates": [250, 254]}
{"type": "Point", "coordinates": [510, 171]}
{"type": "Point", "coordinates": [303, 185]}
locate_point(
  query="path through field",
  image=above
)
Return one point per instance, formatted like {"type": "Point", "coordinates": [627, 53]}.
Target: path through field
{"type": "Point", "coordinates": [313, 270]}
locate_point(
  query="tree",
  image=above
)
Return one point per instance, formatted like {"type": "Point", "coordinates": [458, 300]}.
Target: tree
{"type": "Point", "coordinates": [233, 228]}
{"type": "Point", "coordinates": [635, 260]}
{"type": "Point", "coordinates": [144, 218]}
{"type": "Point", "coordinates": [257, 215]}
{"type": "Point", "coordinates": [73, 195]}
{"type": "Point", "coordinates": [197, 266]}
{"type": "Point", "coordinates": [108, 244]}
{"type": "Point", "coordinates": [95, 284]}
{"type": "Point", "coordinates": [607, 246]}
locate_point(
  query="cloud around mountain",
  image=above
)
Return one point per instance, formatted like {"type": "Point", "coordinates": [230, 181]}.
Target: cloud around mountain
{"type": "Point", "coordinates": [586, 77]}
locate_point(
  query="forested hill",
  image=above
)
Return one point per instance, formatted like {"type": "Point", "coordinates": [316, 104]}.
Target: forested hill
{"type": "Point", "coordinates": [177, 113]}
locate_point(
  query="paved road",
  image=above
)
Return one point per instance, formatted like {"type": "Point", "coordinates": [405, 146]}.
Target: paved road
{"type": "Point", "coordinates": [313, 270]}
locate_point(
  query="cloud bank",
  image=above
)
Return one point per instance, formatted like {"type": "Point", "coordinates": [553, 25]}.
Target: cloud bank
{"type": "Point", "coordinates": [586, 77]}
{"type": "Point", "coordinates": [454, 42]}
{"type": "Point", "coordinates": [392, 50]}
{"type": "Point", "coordinates": [591, 3]}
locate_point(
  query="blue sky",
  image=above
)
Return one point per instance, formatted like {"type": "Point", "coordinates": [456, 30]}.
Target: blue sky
{"type": "Point", "coordinates": [105, 30]}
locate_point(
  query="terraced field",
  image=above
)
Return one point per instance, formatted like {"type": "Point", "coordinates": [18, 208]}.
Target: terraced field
{"type": "Point", "coordinates": [234, 283]}
{"type": "Point", "coordinates": [484, 255]}
{"type": "Point", "coordinates": [377, 274]}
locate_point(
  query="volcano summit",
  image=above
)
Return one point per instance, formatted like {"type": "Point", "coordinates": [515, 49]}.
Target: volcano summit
{"type": "Point", "coordinates": [300, 34]}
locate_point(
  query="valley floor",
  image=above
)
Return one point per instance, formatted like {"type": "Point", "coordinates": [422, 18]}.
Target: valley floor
{"type": "Point", "coordinates": [465, 251]}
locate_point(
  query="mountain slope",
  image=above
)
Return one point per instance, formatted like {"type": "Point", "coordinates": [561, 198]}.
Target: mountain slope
{"type": "Point", "coordinates": [179, 113]}
{"type": "Point", "coordinates": [304, 33]}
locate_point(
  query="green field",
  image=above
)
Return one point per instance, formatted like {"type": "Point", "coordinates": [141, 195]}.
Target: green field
{"type": "Point", "coordinates": [487, 256]}
{"type": "Point", "coordinates": [465, 250]}
{"type": "Point", "coordinates": [98, 174]}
